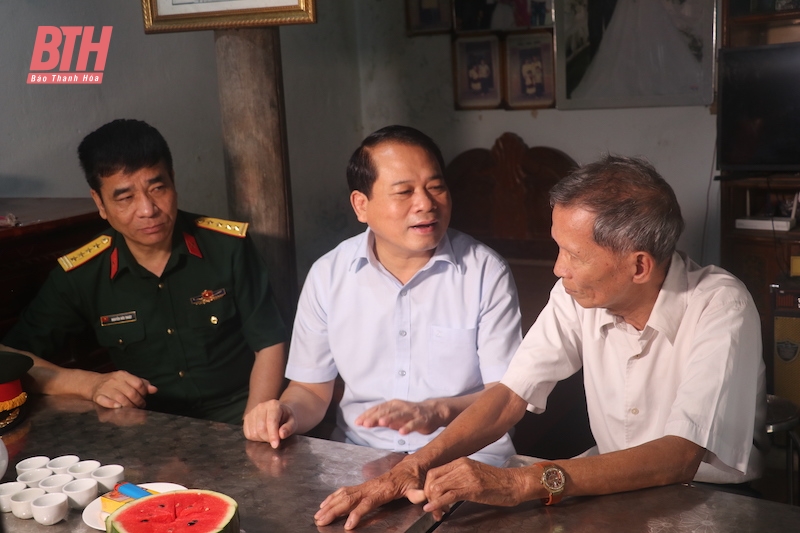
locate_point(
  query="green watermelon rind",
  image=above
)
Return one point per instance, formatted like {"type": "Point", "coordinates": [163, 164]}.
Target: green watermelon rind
{"type": "Point", "coordinates": [228, 524]}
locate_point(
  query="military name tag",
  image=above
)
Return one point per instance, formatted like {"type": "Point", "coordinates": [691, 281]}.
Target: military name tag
{"type": "Point", "coordinates": [208, 296]}
{"type": "Point", "coordinates": [119, 318]}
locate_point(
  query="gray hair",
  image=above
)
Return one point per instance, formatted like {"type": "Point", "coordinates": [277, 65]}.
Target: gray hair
{"type": "Point", "coordinates": [635, 208]}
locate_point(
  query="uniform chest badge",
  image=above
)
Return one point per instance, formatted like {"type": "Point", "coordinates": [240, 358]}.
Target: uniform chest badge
{"type": "Point", "coordinates": [119, 318]}
{"type": "Point", "coordinates": [207, 296]}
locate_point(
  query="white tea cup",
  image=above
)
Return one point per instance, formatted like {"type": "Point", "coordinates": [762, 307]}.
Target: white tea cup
{"type": "Point", "coordinates": [59, 465]}
{"type": "Point", "coordinates": [21, 502]}
{"type": "Point", "coordinates": [83, 469]}
{"type": "Point", "coordinates": [55, 483]}
{"type": "Point", "coordinates": [32, 463]}
{"type": "Point", "coordinates": [50, 508]}
{"type": "Point", "coordinates": [80, 492]}
{"type": "Point", "coordinates": [7, 490]}
{"type": "Point", "coordinates": [107, 476]}
{"type": "Point", "coordinates": [33, 477]}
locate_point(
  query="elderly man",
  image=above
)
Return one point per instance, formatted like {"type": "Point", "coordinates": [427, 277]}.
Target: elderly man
{"type": "Point", "coordinates": [182, 302]}
{"type": "Point", "coordinates": [671, 354]}
{"type": "Point", "coordinates": [417, 319]}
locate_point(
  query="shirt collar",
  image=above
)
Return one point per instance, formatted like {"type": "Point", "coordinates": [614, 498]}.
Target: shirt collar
{"type": "Point", "coordinates": [670, 304]}
{"type": "Point", "coordinates": [672, 300]}
{"type": "Point", "coordinates": [364, 253]}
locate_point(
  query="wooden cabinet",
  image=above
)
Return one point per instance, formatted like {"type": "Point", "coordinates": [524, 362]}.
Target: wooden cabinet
{"type": "Point", "coordinates": [48, 228]}
{"type": "Point", "coordinates": [758, 257]}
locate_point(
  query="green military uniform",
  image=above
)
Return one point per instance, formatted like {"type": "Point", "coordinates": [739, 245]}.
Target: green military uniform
{"type": "Point", "coordinates": [191, 332]}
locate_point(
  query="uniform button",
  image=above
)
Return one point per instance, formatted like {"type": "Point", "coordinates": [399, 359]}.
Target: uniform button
{"type": "Point", "coordinates": [403, 293]}
{"type": "Point", "coordinates": [181, 373]}
{"type": "Point", "coordinates": [401, 442]}
{"type": "Point", "coordinates": [214, 320]}
{"type": "Point", "coordinates": [402, 373]}
{"type": "Point", "coordinates": [402, 333]}
{"type": "Point", "coordinates": [120, 341]}
{"type": "Point", "coordinates": [160, 285]}
{"type": "Point", "coordinates": [634, 411]}
{"type": "Point", "coordinates": [170, 331]}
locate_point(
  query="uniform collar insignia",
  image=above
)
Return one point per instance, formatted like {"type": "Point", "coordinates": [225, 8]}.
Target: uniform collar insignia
{"type": "Point", "coordinates": [114, 263]}
{"type": "Point", "coordinates": [191, 245]}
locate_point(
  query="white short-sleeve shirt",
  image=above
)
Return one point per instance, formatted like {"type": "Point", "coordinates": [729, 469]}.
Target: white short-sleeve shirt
{"type": "Point", "coordinates": [452, 328]}
{"type": "Point", "coordinates": [694, 371]}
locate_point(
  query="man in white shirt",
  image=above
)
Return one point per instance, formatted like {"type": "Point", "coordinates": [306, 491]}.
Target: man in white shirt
{"type": "Point", "coordinates": [418, 319]}
{"type": "Point", "coordinates": [671, 354]}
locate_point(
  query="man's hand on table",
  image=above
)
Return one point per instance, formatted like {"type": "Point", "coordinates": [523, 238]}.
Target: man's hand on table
{"type": "Point", "coordinates": [402, 480]}
{"type": "Point", "coordinates": [120, 389]}
{"type": "Point", "coordinates": [466, 479]}
{"type": "Point", "coordinates": [270, 421]}
{"type": "Point", "coordinates": [405, 417]}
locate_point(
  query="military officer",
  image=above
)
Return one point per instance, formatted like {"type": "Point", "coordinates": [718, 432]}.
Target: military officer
{"type": "Point", "coordinates": [181, 302]}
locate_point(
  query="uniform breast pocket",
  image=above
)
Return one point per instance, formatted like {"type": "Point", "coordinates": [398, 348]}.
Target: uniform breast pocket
{"type": "Point", "coordinates": [214, 323]}
{"type": "Point", "coordinates": [453, 359]}
{"type": "Point", "coordinates": [120, 335]}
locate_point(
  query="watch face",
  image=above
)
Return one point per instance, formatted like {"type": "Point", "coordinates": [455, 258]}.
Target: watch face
{"type": "Point", "coordinates": [553, 479]}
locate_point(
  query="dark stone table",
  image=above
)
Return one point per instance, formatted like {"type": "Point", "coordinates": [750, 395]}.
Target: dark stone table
{"type": "Point", "coordinates": [280, 490]}
{"type": "Point", "coordinates": [277, 490]}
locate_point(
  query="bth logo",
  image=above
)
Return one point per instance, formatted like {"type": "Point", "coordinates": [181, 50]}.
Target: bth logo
{"type": "Point", "coordinates": [49, 55]}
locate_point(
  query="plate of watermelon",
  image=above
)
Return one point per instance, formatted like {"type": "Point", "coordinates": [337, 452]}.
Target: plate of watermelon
{"type": "Point", "coordinates": [94, 517]}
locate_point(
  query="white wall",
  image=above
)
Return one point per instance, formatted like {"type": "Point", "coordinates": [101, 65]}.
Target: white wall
{"type": "Point", "coordinates": [323, 119]}
{"type": "Point", "coordinates": [167, 80]}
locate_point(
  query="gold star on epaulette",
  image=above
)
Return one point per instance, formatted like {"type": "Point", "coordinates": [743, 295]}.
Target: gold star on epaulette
{"type": "Point", "coordinates": [84, 253]}
{"type": "Point", "coordinates": [228, 227]}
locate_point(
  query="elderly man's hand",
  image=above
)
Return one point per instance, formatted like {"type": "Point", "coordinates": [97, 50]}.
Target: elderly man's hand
{"type": "Point", "coordinates": [465, 479]}
{"type": "Point", "coordinates": [270, 421]}
{"type": "Point", "coordinates": [405, 417]}
{"type": "Point", "coordinates": [402, 480]}
{"type": "Point", "coordinates": [120, 389]}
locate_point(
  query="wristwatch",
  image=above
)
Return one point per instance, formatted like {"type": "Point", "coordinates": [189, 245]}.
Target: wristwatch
{"type": "Point", "coordinates": [554, 480]}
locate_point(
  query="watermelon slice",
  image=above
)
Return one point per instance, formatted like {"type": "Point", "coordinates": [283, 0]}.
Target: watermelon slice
{"type": "Point", "coordinates": [182, 511]}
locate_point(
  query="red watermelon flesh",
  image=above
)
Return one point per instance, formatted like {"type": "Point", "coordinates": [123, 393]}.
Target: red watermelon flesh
{"type": "Point", "coordinates": [183, 511]}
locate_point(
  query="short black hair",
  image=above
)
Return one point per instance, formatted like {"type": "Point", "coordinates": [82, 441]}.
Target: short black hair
{"type": "Point", "coordinates": [122, 145]}
{"type": "Point", "coordinates": [361, 171]}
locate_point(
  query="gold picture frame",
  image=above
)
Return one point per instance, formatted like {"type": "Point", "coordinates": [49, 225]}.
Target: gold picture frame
{"type": "Point", "coordinates": [191, 15]}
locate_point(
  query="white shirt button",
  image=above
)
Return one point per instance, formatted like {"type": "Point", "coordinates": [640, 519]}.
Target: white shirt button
{"type": "Point", "coordinates": [402, 333]}
{"type": "Point", "coordinates": [401, 373]}
{"type": "Point", "coordinates": [401, 442]}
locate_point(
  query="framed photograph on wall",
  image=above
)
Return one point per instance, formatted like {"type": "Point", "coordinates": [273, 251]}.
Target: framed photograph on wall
{"type": "Point", "coordinates": [188, 15]}
{"type": "Point", "coordinates": [429, 16]}
{"type": "Point", "coordinates": [501, 15]}
{"type": "Point", "coordinates": [477, 72]}
{"type": "Point", "coordinates": [624, 53]}
{"type": "Point", "coordinates": [530, 72]}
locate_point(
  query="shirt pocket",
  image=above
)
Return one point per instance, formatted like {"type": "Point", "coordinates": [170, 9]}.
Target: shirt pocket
{"type": "Point", "coordinates": [120, 336]}
{"type": "Point", "coordinates": [213, 326]}
{"type": "Point", "coordinates": [453, 365]}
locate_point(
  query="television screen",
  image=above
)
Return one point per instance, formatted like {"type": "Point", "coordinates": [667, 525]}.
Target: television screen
{"type": "Point", "coordinates": [758, 118]}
